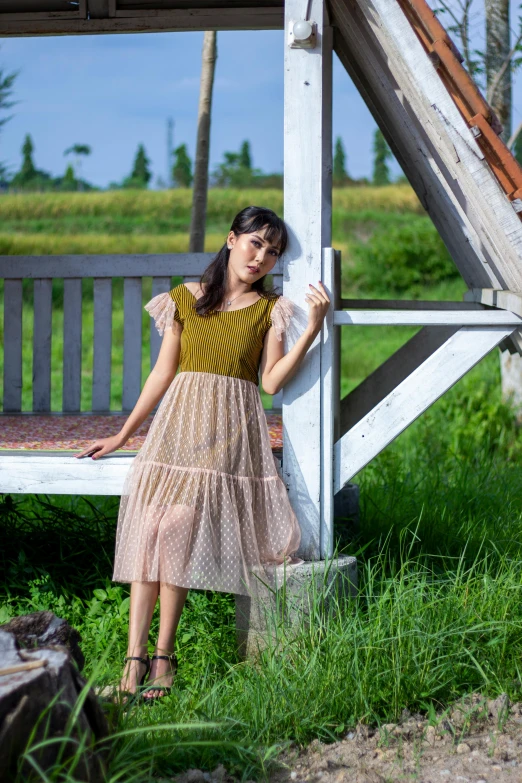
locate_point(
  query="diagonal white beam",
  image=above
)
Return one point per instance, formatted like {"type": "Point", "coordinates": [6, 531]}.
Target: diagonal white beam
{"type": "Point", "coordinates": [384, 379]}
{"type": "Point", "coordinates": [411, 398]}
{"type": "Point", "coordinates": [395, 75]}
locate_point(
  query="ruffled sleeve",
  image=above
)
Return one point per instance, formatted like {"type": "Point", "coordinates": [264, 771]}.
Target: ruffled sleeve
{"type": "Point", "coordinates": [288, 319]}
{"type": "Point", "coordinates": [163, 309]}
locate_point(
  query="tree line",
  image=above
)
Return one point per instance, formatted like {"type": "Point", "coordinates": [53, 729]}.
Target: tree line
{"type": "Point", "coordinates": [236, 170]}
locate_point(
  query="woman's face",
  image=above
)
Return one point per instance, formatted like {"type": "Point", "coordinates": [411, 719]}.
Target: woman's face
{"type": "Point", "coordinates": [251, 255]}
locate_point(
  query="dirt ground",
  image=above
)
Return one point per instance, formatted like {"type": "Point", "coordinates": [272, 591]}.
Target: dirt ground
{"type": "Point", "coordinates": [476, 741]}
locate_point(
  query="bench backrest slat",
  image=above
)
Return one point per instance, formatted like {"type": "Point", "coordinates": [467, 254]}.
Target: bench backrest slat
{"type": "Point", "coordinates": [13, 345]}
{"type": "Point", "coordinates": [73, 270]}
{"type": "Point", "coordinates": [72, 344]}
{"type": "Point", "coordinates": [101, 369]}
{"type": "Point", "coordinates": [42, 299]}
{"type": "Point", "coordinates": [159, 286]}
{"type": "Point", "coordinates": [131, 341]}
{"type": "Point", "coordinates": [277, 399]}
{"type": "Point", "coordinates": [125, 265]}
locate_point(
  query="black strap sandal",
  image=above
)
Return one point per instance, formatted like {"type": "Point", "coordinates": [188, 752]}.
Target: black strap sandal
{"type": "Point", "coordinates": [129, 695]}
{"type": "Point", "coordinates": [167, 689]}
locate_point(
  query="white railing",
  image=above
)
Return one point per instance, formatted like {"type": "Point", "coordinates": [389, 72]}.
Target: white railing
{"type": "Point", "coordinates": [454, 337]}
{"type": "Point", "coordinates": [74, 269]}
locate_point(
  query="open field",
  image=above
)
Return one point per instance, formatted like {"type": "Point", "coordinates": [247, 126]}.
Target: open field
{"type": "Point", "coordinates": [176, 204]}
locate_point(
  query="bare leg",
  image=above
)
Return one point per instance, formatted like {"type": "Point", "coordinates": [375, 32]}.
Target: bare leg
{"type": "Point", "coordinates": [143, 599]}
{"type": "Point", "coordinates": [172, 601]}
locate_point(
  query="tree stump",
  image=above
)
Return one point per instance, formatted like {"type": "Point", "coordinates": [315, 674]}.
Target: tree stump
{"type": "Point", "coordinates": [40, 683]}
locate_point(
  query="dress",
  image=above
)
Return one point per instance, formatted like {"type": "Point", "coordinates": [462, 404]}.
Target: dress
{"type": "Point", "coordinates": [203, 505]}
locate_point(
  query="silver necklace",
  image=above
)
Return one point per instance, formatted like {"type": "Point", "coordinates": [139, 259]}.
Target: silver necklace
{"type": "Point", "coordinates": [234, 299]}
{"type": "Point", "coordinates": [229, 301]}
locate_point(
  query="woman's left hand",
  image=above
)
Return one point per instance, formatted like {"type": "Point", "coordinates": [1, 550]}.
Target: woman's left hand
{"type": "Point", "coordinates": [318, 303]}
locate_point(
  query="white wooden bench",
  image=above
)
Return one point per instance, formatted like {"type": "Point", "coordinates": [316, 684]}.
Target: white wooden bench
{"type": "Point", "coordinates": [57, 472]}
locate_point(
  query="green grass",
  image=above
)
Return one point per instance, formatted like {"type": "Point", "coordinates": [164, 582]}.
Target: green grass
{"type": "Point", "coordinates": [439, 611]}
{"type": "Point", "coordinates": [58, 234]}
{"type": "Point", "coordinates": [176, 204]}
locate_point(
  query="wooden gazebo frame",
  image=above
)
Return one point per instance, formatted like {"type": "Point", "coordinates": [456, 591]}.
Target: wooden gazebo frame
{"type": "Point", "coordinates": [445, 137]}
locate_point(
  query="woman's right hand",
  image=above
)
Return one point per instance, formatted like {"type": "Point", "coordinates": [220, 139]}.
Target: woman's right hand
{"type": "Point", "coordinates": [102, 447]}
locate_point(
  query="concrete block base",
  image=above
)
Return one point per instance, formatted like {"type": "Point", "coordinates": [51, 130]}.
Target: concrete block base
{"type": "Point", "coordinates": [286, 595]}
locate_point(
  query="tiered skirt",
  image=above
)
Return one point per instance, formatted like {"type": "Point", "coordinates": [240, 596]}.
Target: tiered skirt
{"type": "Point", "coordinates": [203, 505]}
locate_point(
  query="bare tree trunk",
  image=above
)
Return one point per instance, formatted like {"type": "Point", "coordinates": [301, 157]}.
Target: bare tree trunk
{"type": "Point", "coordinates": [199, 193]}
{"type": "Point", "coordinates": [498, 62]}
{"type": "Point", "coordinates": [499, 94]}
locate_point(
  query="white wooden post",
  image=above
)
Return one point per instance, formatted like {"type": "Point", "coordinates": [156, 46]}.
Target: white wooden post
{"type": "Point", "coordinates": [330, 347]}
{"type": "Point", "coordinates": [307, 212]}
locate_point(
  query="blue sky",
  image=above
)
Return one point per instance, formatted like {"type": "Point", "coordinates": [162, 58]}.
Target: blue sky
{"type": "Point", "coordinates": [116, 91]}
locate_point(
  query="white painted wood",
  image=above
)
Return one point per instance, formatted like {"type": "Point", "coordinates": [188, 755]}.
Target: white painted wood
{"type": "Point", "coordinates": [132, 316]}
{"type": "Point", "coordinates": [369, 69]}
{"type": "Point", "coordinates": [307, 211]}
{"type": "Point", "coordinates": [42, 332]}
{"type": "Point", "coordinates": [72, 344]}
{"type": "Point", "coordinates": [277, 399]}
{"type": "Point", "coordinates": [76, 268]}
{"type": "Point", "coordinates": [329, 398]}
{"type": "Point", "coordinates": [159, 286]}
{"type": "Point", "coordinates": [12, 345]}
{"type": "Point", "coordinates": [101, 371]}
{"type": "Point", "coordinates": [436, 148]}
{"type": "Point", "coordinates": [425, 318]}
{"type": "Point", "coordinates": [383, 380]}
{"type": "Point", "coordinates": [412, 397]}
{"type": "Point", "coordinates": [487, 206]}
{"type": "Point", "coordinates": [408, 304]}
{"type": "Point", "coordinates": [126, 265]}
{"type": "Point", "coordinates": [507, 300]}
{"type": "Point", "coordinates": [59, 473]}
{"type": "Point", "coordinates": [336, 338]}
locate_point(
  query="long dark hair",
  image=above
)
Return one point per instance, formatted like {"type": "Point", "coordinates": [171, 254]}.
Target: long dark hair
{"type": "Point", "coordinates": [247, 221]}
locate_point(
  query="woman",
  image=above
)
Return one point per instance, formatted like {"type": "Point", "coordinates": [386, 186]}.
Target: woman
{"type": "Point", "coordinates": [203, 505]}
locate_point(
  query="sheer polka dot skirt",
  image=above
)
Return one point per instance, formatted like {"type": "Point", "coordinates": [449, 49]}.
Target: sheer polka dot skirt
{"type": "Point", "coordinates": [203, 505]}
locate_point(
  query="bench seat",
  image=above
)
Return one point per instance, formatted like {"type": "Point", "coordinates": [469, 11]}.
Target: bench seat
{"type": "Point", "coordinates": [37, 452]}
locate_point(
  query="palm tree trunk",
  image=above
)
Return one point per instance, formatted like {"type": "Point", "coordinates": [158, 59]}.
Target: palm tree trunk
{"type": "Point", "coordinates": [200, 189]}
